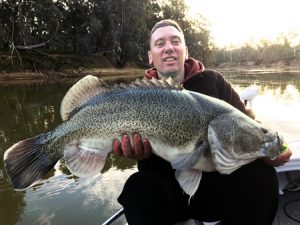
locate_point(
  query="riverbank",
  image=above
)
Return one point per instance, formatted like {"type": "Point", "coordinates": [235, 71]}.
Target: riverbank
{"type": "Point", "coordinates": [68, 73]}
{"type": "Point", "coordinates": [135, 71]}
{"type": "Point", "coordinates": [277, 67]}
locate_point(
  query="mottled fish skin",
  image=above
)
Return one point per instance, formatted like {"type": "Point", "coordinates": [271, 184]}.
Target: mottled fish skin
{"type": "Point", "coordinates": [192, 131]}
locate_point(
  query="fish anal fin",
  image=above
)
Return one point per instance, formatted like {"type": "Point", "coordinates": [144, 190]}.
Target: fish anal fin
{"type": "Point", "coordinates": [79, 93]}
{"type": "Point", "coordinates": [26, 163]}
{"type": "Point", "coordinates": [189, 180]}
{"type": "Point", "coordinates": [84, 161]}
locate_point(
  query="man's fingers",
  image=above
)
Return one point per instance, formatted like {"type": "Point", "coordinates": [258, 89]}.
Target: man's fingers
{"type": "Point", "coordinates": [126, 147]}
{"type": "Point", "coordinates": [138, 147]}
{"type": "Point", "coordinates": [117, 150]}
{"type": "Point", "coordinates": [147, 148]}
{"type": "Point", "coordinates": [282, 159]}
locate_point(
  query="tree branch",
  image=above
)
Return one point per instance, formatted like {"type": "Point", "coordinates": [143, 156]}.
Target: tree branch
{"type": "Point", "coordinates": [40, 44]}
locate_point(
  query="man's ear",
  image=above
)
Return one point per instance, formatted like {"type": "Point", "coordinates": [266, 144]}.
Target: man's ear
{"type": "Point", "coordinates": [186, 53]}
{"type": "Point", "coordinates": [150, 59]}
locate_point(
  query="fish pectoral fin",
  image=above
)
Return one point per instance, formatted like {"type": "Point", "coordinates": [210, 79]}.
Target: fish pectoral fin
{"type": "Point", "coordinates": [189, 180]}
{"type": "Point", "coordinates": [188, 160]}
{"type": "Point", "coordinates": [84, 161]}
{"type": "Point", "coordinates": [26, 162]}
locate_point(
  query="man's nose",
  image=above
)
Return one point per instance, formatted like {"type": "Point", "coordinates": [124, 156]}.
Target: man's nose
{"type": "Point", "coordinates": [169, 47]}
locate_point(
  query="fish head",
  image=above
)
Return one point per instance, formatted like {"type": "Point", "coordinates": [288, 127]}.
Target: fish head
{"type": "Point", "coordinates": [242, 137]}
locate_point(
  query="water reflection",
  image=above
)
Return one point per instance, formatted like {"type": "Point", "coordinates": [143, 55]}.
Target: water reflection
{"type": "Point", "coordinates": [74, 200]}
{"type": "Point", "coordinates": [22, 114]}
{"type": "Point", "coordinates": [278, 102]}
{"type": "Point", "coordinates": [270, 79]}
{"type": "Point", "coordinates": [284, 116]}
{"type": "Point", "coordinates": [27, 110]}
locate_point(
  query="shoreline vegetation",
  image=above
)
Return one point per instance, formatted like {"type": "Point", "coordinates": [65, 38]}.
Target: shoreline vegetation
{"type": "Point", "coordinates": [108, 71]}
{"type": "Point", "coordinates": [69, 73]}
{"type": "Point", "coordinates": [55, 40]}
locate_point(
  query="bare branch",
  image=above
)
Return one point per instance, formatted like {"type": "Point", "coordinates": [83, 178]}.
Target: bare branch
{"type": "Point", "coordinates": [41, 44]}
{"type": "Point", "coordinates": [12, 45]}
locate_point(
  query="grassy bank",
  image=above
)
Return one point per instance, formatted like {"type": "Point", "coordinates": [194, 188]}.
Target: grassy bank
{"type": "Point", "coordinates": [128, 72]}
{"type": "Point", "coordinates": [35, 65]}
{"type": "Point", "coordinates": [68, 73]}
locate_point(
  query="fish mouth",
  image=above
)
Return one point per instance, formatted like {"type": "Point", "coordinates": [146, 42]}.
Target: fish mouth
{"type": "Point", "coordinates": [272, 148]}
{"type": "Point", "coordinates": [280, 140]}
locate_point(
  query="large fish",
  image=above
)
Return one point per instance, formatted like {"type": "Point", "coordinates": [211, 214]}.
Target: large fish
{"type": "Point", "coordinates": [194, 132]}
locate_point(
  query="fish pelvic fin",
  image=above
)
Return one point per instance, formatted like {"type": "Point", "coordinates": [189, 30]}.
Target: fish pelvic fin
{"type": "Point", "coordinates": [84, 160]}
{"type": "Point", "coordinates": [26, 163]}
{"type": "Point", "coordinates": [79, 93]}
{"type": "Point", "coordinates": [189, 180]}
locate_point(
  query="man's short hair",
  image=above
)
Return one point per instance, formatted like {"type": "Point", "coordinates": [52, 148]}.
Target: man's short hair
{"type": "Point", "coordinates": [165, 23]}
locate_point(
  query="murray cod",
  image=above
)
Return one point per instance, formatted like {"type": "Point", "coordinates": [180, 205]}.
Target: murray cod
{"type": "Point", "coordinates": [192, 131]}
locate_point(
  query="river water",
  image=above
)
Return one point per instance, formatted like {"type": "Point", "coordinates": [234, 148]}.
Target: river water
{"type": "Point", "coordinates": [27, 109]}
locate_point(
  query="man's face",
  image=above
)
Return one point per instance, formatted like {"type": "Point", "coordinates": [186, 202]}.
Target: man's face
{"type": "Point", "coordinates": [168, 51]}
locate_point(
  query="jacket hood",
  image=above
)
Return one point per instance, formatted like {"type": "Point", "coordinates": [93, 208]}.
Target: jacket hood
{"type": "Point", "coordinates": [192, 67]}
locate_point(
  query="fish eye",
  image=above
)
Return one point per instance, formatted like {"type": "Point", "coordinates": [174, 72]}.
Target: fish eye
{"type": "Point", "coordinates": [264, 130]}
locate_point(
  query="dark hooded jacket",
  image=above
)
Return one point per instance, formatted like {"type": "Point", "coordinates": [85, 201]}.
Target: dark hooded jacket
{"type": "Point", "coordinates": [201, 80]}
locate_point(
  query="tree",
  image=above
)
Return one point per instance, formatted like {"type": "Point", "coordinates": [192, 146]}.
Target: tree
{"type": "Point", "coordinates": [198, 39]}
{"type": "Point", "coordinates": [130, 29]}
{"type": "Point", "coordinates": [117, 27]}
{"type": "Point", "coordinates": [196, 29]}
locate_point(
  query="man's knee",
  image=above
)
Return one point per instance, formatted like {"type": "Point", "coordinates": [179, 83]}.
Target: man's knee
{"type": "Point", "coordinates": [141, 186]}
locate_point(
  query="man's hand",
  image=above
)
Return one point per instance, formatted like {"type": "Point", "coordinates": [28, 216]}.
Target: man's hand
{"type": "Point", "coordinates": [282, 159]}
{"type": "Point", "coordinates": [141, 148]}
{"type": "Point", "coordinates": [250, 113]}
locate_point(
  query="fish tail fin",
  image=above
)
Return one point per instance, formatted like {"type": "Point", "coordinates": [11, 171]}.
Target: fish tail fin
{"type": "Point", "coordinates": [26, 163]}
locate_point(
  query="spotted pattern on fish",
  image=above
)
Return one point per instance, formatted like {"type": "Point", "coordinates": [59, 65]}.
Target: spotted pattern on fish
{"type": "Point", "coordinates": [192, 131]}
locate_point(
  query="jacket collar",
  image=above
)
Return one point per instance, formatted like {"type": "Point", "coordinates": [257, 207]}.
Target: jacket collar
{"type": "Point", "coordinates": [192, 67]}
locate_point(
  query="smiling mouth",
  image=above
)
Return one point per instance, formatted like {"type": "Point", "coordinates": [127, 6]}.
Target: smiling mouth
{"type": "Point", "coordinates": [169, 59]}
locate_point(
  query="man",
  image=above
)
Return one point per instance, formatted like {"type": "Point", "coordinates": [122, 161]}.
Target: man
{"type": "Point", "coordinates": [152, 196]}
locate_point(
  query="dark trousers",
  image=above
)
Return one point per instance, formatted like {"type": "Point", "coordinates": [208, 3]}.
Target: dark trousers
{"type": "Point", "coordinates": [247, 196]}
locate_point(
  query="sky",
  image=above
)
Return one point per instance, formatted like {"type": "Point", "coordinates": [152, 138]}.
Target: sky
{"type": "Point", "coordinates": [234, 22]}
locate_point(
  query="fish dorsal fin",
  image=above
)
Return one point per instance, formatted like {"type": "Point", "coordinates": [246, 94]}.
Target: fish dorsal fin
{"type": "Point", "coordinates": [79, 93]}
{"type": "Point", "coordinates": [90, 86]}
{"type": "Point", "coordinates": [153, 82]}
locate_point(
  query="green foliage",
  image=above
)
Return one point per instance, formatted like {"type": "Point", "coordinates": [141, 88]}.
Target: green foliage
{"type": "Point", "coordinates": [264, 52]}
{"type": "Point", "coordinates": [34, 32]}
{"type": "Point", "coordinates": [118, 28]}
